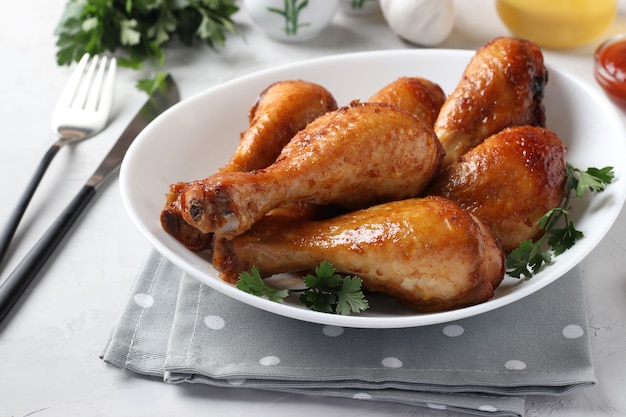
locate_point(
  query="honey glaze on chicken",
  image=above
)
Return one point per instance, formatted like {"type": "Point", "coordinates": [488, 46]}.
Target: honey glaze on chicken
{"type": "Point", "coordinates": [509, 181]}
{"type": "Point", "coordinates": [354, 157]}
{"type": "Point", "coordinates": [502, 86]}
{"type": "Point", "coordinates": [416, 95]}
{"type": "Point", "coordinates": [429, 253]}
{"type": "Point", "coordinates": [281, 110]}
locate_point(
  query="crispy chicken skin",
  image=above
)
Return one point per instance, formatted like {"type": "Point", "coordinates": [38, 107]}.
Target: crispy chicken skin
{"type": "Point", "coordinates": [356, 156]}
{"type": "Point", "coordinates": [428, 252]}
{"type": "Point", "coordinates": [509, 181]}
{"type": "Point", "coordinates": [502, 86]}
{"type": "Point", "coordinates": [416, 95]}
{"type": "Point", "coordinates": [280, 111]}
{"type": "Point", "coordinates": [419, 96]}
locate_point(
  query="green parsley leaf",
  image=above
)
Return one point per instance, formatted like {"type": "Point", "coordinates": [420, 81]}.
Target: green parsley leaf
{"type": "Point", "coordinates": [526, 260]}
{"type": "Point", "coordinates": [561, 239]}
{"type": "Point", "coordinates": [128, 34]}
{"type": "Point", "coordinates": [151, 84]}
{"type": "Point", "coordinates": [329, 292]}
{"type": "Point", "coordinates": [594, 180]}
{"type": "Point", "coordinates": [319, 301]}
{"type": "Point", "coordinates": [350, 298]}
{"type": "Point", "coordinates": [324, 279]}
{"type": "Point", "coordinates": [252, 283]}
{"type": "Point", "coordinates": [326, 291]}
{"type": "Point", "coordinates": [530, 257]}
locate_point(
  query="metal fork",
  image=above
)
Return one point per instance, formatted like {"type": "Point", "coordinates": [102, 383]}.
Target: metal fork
{"type": "Point", "coordinates": [83, 110]}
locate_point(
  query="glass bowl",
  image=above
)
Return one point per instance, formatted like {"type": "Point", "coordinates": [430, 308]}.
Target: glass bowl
{"type": "Point", "coordinates": [557, 23]}
{"type": "Point", "coordinates": [610, 68]}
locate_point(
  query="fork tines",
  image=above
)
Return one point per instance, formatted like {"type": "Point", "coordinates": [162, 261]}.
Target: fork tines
{"type": "Point", "coordinates": [90, 75]}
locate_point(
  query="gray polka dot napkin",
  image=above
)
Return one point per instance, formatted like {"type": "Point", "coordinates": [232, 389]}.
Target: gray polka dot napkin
{"type": "Point", "coordinates": [180, 330]}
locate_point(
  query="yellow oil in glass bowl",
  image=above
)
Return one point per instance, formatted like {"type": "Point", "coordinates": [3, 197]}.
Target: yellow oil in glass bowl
{"type": "Point", "coordinates": [557, 23]}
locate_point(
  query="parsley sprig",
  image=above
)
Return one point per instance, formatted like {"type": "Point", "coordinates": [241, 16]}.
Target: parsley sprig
{"type": "Point", "coordinates": [530, 257]}
{"type": "Point", "coordinates": [325, 291]}
{"type": "Point", "coordinates": [140, 29]}
{"type": "Point", "coordinates": [252, 283]}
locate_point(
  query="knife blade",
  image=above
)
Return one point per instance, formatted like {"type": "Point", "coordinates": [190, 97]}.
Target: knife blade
{"type": "Point", "coordinates": [16, 283]}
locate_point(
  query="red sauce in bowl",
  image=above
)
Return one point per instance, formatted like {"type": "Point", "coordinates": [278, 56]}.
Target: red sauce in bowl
{"type": "Point", "coordinates": [610, 69]}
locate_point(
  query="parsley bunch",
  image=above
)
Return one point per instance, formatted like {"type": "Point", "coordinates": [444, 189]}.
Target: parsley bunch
{"type": "Point", "coordinates": [140, 28]}
{"type": "Point", "coordinates": [325, 291]}
{"type": "Point", "coordinates": [530, 256]}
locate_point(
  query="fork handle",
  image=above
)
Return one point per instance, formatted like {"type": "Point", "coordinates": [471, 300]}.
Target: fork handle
{"type": "Point", "coordinates": [22, 204]}
{"type": "Point", "coordinates": [16, 283]}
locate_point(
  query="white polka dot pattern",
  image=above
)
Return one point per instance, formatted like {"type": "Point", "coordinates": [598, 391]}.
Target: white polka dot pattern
{"type": "Point", "coordinates": [453, 330]}
{"type": "Point", "coordinates": [143, 300]}
{"type": "Point", "coordinates": [573, 331]}
{"type": "Point", "coordinates": [332, 331]}
{"type": "Point", "coordinates": [391, 362]}
{"type": "Point", "coordinates": [214, 322]}
{"type": "Point", "coordinates": [515, 365]}
{"type": "Point", "coordinates": [488, 408]}
{"type": "Point", "coordinates": [269, 361]}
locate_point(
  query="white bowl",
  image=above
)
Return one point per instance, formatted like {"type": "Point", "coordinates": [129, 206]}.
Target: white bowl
{"type": "Point", "coordinates": [197, 136]}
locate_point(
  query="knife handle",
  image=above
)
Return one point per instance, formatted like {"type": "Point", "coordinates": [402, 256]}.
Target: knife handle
{"type": "Point", "coordinates": [22, 204]}
{"type": "Point", "coordinates": [16, 283]}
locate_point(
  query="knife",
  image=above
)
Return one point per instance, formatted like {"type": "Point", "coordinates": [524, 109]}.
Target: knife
{"type": "Point", "coordinates": [15, 284]}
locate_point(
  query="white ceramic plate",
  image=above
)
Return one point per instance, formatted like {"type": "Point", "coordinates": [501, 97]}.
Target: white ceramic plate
{"type": "Point", "coordinates": [197, 136]}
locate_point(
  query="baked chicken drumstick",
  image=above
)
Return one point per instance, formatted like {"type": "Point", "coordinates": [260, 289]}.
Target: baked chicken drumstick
{"type": "Point", "coordinates": [354, 157]}
{"type": "Point", "coordinates": [509, 182]}
{"type": "Point", "coordinates": [280, 111]}
{"type": "Point", "coordinates": [502, 86]}
{"type": "Point", "coordinates": [428, 252]}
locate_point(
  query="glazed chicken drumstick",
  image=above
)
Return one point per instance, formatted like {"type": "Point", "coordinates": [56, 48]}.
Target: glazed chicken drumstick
{"type": "Point", "coordinates": [354, 157]}
{"type": "Point", "coordinates": [502, 86]}
{"type": "Point", "coordinates": [509, 182]}
{"type": "Point", "coordinates": [280, 111]}
{"type": "Point", "coordinates": [428, 252]}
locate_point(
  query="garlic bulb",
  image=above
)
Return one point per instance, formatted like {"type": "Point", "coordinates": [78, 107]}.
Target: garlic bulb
{"type": "Point", "coordinates": [422, 22]}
